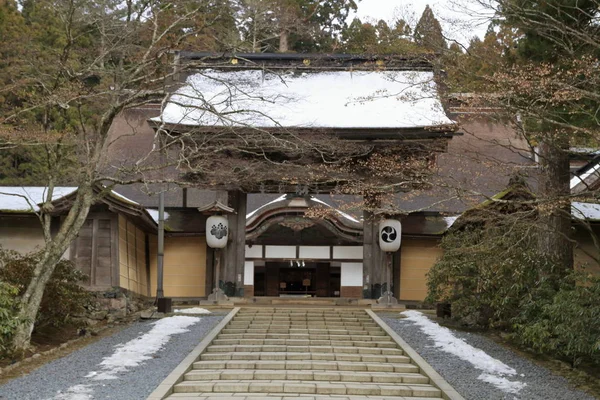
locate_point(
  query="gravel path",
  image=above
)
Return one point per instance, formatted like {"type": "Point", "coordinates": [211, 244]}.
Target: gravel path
{"type": "Point", "coordinates": [541, 383]}
{"type": "Point", "coordinates": [53, 380]}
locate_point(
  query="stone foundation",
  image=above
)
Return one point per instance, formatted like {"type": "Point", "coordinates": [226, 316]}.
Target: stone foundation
{"type": "Point", "coordinates": [114, 305]}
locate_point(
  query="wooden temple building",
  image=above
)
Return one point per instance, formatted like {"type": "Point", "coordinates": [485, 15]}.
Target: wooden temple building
{"type": "Point", "coordinates": [288, 237]}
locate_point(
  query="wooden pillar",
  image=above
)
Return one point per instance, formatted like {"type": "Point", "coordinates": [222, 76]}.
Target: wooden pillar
{"type": "Point", "coordinates": [367, 254]}
{"type": "Point", "coordinates": [234, 255]}
{"type": "Point", "coordinates": [373, 258]}
{"type": "Point", "coordinates": [379, 263]}
{"type": "Point", "coordinates": [240, 242]}
{"type": "Point", "coordinates": [397, 271]}
{"type": "Point", "coordinates": [223, 197]}
{"type": "Point", "coordinates": [210, 283]}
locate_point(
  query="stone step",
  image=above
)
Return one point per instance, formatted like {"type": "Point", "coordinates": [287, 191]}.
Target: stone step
{"type": "Point", "coordinates": [301, 336]}
{"type": "Point", "coordinates": [333, 316]}
{"type": "Point", "coordinates": [349, 314]}
{"type": "Point", "coordinates": [374, 331]}
{"type": "Point", "coordinates": [300, 310]}
{"type": "Point", "coordinates": [283, 396]}
{"type": "Point", "coordinates": [400, 366]}
{"type": "Point", "coordinates": [397, 357]}
{"type": "Point", "coordinates": [306, 342]}
{"type": "Point", "coordinates": [304, 319]}
{"type": "Point", "coordinates": [317, 325]}
{"type": "Point", "coordinates": [353, 317]}
{"type": "Point", "coordinates": [330, 376]}
{"type": "Point", "coordinates": [301, 323]}
{"type": "Point", "coordinates": [302, 349]}
{"type": "Point", "coordinates": [302, 387]}
{"type": "Point", "coordinates": [304, 354]}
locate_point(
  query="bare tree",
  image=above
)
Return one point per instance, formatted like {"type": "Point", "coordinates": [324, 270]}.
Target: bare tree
{"type": "Point", "coordinates": [105, 58]}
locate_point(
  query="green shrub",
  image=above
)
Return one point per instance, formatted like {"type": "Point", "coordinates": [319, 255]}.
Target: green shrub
{"type": "Point", "coordinates": [8, 308]}
{"type": "Point", "coordinates": [563, 322]}
{"type": "Point", "coordinates": [63, 297]}
{"type": "Point", "coordinates": [485, 271]}
{"type": "Point", "coordinates": [493, 276]}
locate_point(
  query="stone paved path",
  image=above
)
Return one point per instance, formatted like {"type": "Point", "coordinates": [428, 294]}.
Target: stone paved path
{"type": "Point", "coordinates": [304, 354]}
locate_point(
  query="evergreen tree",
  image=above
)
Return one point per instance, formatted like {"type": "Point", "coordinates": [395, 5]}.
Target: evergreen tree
{"type": "Point", "coordinates": [360, 38]}
{"type": "Point", "coordinates": [365, 38]}
{"type": "Point", "coordinates": [428, 32]}
{"type": "Point", "coordinates": [293, 25]}
{"type": "Point", "coordinates": [554, 87]}
{"type": "Point", "coordinates": [471, 71]}
{"type": "Point", "coordinates": [213, 28]}
{"type": "Point", "coordinates": [12, 34]}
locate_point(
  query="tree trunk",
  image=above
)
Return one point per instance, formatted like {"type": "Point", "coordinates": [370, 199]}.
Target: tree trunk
{"type": "Point", "coordinates": [283, 42]}
{"type": "Point", "coordinates": [30, 302]}
{"type": "Point", "coordinates": [555, 232]}
{"type": "Point", "coordinates": [53, 251]}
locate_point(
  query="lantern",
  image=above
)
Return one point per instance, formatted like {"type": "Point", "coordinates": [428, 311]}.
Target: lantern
{"type": "Point", "coordinates": [390, 231]}
{"type": "Point", "coordinates": [217, 231]}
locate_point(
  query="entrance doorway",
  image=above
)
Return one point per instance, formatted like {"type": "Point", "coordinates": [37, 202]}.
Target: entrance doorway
{"type": "Point", "coordinates": [298, 278]}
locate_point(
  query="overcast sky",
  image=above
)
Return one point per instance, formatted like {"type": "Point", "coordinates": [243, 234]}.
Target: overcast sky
{"type": "Point", "coordinates": [460, 19]}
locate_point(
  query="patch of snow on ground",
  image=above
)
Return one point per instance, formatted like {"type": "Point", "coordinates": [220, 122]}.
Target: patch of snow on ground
{"type": "Point", "coordinates": [194, 310]}
{"type": "Point", "coordinates": [136, 351]}
{"type": "Point", "coordinates": [502, 383]}
{"type": "Point", "coordinates": [494, 371]}
{"type": "Point", "coordinates": [77, 392]}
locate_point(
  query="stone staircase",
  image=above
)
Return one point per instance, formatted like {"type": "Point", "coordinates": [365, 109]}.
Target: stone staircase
{"type": "Point", "coordinates": [304, 354]}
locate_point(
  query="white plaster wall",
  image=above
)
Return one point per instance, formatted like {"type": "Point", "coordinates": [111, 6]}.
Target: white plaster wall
{"type": "Point", "coordinates": [280, 251]}
{"type": "Point", "coordinates": [352, 274]}
{"type": "Point", "coordinates": [315, 252]}
{"type": "Point", "coordinates": [254, 252]}
{"type": "Point", "coordinates": [348, 253]}
{"type": "Point", "coordinates": [249, 273]}
{"type": "Point", "coordinates": [21, 234]}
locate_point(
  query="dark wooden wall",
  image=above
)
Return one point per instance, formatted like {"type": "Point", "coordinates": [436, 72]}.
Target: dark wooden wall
{"type": "Point", "coordinates": [94, 251]}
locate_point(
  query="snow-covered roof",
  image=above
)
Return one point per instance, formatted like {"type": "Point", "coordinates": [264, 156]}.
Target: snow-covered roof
{"type": "Point", "coordinates": [579, 210]}
{"type": "Point", "coordinates": [585, 150]}
{"type": "Point", "coordinates": [343, 214]}
{"type": "Point", "coordinates": [589, 211]}
{"type": "Point", "coordinates": [592, 171]}
{"type": "Point", "coordinates": [123, 198]}
{"type": "Point", "coordinates": [289, 201]}
{"type": "Point", "coordinates": [28, 198]}
{"type": "Point", "coordinates": [154, 214]}
{"type": "Point", "coordinates": [451, 220]}
{"type": "Point", "coordinates": [333, 99]}
{"type": "Point", "coordinates": [265, 206]}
